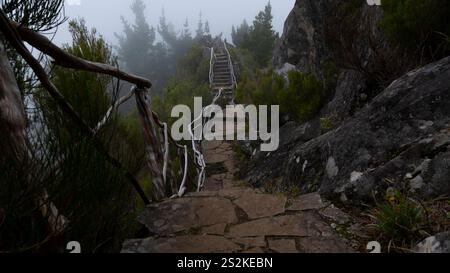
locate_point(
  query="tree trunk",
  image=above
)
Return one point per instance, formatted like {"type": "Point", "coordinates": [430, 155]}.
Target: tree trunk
{"type": "Point", "coordinates": [12, 113]}
{"type": "Point", "coordinates": [13, 146]}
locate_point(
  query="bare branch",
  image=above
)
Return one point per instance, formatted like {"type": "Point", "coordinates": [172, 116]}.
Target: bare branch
{"type": "Point", "coordinates": [13, 37]}
{"type": "Point", "coordinates": [67, 60]}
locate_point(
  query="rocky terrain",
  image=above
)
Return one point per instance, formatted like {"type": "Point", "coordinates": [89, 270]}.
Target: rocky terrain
{"type": "Point", "coordinates": [368, 141]}
{"type": "Point", "coordinates": [401, 135]}
{"type": "Point", "coordinates": [228, 217]}
{"type": "Point", "coordinates": [393, 138]}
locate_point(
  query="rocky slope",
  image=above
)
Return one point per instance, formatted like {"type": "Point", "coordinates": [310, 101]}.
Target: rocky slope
{"type": "Point", "coordinates": [399, 137]}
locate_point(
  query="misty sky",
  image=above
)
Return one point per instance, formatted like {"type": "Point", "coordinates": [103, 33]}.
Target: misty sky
{"type": "Point", "coordinates": [221, 14]}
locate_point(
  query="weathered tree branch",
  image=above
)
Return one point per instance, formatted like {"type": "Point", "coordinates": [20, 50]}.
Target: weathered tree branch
{"type": "Point", "coordinates": [15, 41]}
{"type": "Point", "coordinates": [64, 59]}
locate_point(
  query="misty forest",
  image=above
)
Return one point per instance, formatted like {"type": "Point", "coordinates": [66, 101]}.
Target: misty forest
{"type": "Point", "coordinates": [87, 153]}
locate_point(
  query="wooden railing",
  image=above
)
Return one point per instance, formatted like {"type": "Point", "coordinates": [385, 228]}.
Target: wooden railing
{"type": "Point", "coordinates": [231, 66]}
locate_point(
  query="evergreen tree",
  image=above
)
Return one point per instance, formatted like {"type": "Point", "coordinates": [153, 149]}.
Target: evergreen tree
{"type": "Point", "coordinates": [207, 29]}
{"type": "Point", "coordinates": [241, 35]}
{"type": "Point", "coordinates": [259, 38]}
{"type": "Point", "coordinates": [167, 32]}
{"type": "Point", "coordinates": [262, 36]}
{"type": "Point", "coordinates": [200, 28]}
{"type": "Point", "coordinates": [186, 34]}
{"type": "Point", "coordinates": [135, 47]}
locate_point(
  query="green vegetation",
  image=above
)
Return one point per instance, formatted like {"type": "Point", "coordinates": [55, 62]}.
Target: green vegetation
{"type": "Point", "coordinates": [328, 122]}
{"type": "Point", "coordinates": [190, 81]}
{"type": "Point", "coordinates": [94, 196]}
{"type": "Point", "coordinates": [399, 219]}
{"type": "Point", "coordinates": [259, 38]}
{"type": "Point", "coordinates": [141, 53]}
{"type": "Point", "coordinates": [301, 98]}
{"type": "Point", "coordinates": [420, 26]}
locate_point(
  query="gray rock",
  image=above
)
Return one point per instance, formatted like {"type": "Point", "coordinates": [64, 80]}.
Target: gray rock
{"type": "Point", "coordinates": [383, 140]}
{"type": "Point", "coordinates": [302, 41]}
{"type": "Point", "coordinates": [439, 243]}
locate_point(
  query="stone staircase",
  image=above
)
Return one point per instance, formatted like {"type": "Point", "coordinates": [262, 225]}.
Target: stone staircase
{"type": "Point", "coordinates": [223, 77]}
{"type": "Point", "coordinates": [228, 217]}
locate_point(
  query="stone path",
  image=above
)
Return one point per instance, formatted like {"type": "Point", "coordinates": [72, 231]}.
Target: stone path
{"type": "Point", "coordinates": [228, 217]}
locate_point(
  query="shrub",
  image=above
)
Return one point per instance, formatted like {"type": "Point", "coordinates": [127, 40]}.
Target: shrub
{"type": "Point", "coordinates": [94, 195]}
{"type": "Point", "coordinates": [301, 98]}
{"type": "Point", "coordinates": [417, 25]}
{"type": "Point", "coordinates": [399, 219]}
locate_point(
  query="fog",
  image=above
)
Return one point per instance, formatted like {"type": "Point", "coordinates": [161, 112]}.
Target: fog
{"type": "Point", "coordinates": [105, 15]}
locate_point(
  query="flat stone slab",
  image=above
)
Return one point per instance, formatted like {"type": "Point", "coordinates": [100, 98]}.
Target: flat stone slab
{"type": "Point", "coordinates": [216, 158]}
{"type": "Point", "coordinates": [283, 246]}
{"type": "Point", "coordinates": [178, 215]}
{"type": "Point", "coordinates": [255, 250]}
{"type": "Point", "coordinates": [181, 244]}
{"type": "Point", "coordinates": [299, 225]}
{"type": "Point", "coordinates": [333, 213]}
{"type": "Point", "coordinates": [261, 205]}
{"type": "Point", "coordinates": [213, 184]}
{"type": "Point", "coordinates": [211, 145]}
{"type": "Point", "coordinates": [251, 242]}
{"type": "Point", "coordinates": [311, 201]}
{"type": "Point", "coordinates": [324, 245]}
{"type": "Point", "coordinates": [218, 229]}
{"type": "Point", "coordinates": [235, 193]}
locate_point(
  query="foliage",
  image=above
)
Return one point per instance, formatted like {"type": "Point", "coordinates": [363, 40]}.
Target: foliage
{"type": "Point", "coordinates": [86, 188]}
{"type": "Point", "coordinates": [301, 98]}
{"type": "Point", "coordinates": [378, 61]}
{"type": "Point", "coordinates": [399, 219]}
{"type": "Point", "coordinates": [259, 38]}
{"type": "Point", "coordinates": [418, 25]}
{"type": "Point", "coordinates": [38, 15]}
{"type": "Point", "coordinates": [185, 85]}
{"type": "Point", "coordinates": [142, 54]}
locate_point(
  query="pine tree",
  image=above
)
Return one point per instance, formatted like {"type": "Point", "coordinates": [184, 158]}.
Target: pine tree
{"type": "Point", "coordinates": [186, 34]}
{"type": "Point", "coordinates": [262, 36]}
{"type": "Point", "coordinates": [167, 32]}
{"type": "Point", "coordinates": [259, 38]}
{"type": "Point", "coordinates": [241, 35]}
{"type": "Point", "coordinates": [207, 29]}
{"type": "Point", "coordinates": [136, 45]}
{"type": "Point", "coordinates": [200, 28]}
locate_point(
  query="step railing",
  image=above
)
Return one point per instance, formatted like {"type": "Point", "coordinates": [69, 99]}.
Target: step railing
{"type": "Point", "coordinates": [211, 67]}
{"type": "Point", "coordinates": [231, 66]}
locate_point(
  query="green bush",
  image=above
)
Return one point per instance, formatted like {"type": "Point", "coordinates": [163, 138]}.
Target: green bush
{"type": "Point", "coordinates": [399, 219]}
{"type": "Point", "coordinates": [417, 25]}
{"type": "Point", "coordinates": [302, 98]}
{"type": "Point", "coordinates": [95, 196]}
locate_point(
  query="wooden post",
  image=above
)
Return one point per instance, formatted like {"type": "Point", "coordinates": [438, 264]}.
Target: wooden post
{"type": "Point", "coordinates": [155, 157]}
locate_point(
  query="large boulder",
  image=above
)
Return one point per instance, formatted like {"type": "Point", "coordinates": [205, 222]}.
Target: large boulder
{"type": "Point", "coordinates": [401, 139]}
{"type": "Point", "coordinates": [302, 43]}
